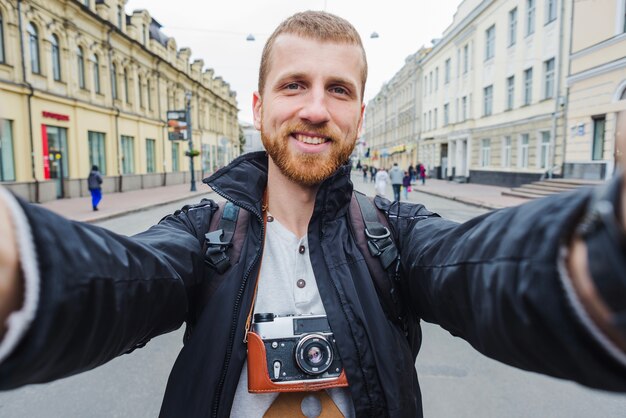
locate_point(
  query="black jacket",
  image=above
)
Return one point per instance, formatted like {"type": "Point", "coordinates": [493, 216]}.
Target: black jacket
{"type": "Point", "coordinates": [492, 281]}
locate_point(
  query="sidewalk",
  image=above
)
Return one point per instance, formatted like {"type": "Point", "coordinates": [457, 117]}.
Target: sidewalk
{"type": "Point", "coordinates": [119, 204]}
{"type": "Point", "coordinates": [488, 197]}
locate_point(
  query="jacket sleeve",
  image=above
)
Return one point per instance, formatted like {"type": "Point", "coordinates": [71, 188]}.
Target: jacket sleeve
{"type": "Point", "coordinates": [499, 282]}
{"type": "Point", "coordinates": [101, 294]}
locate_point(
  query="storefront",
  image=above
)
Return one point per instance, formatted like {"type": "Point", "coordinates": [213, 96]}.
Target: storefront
{"type": "Point", "coordinates": [55, 151]}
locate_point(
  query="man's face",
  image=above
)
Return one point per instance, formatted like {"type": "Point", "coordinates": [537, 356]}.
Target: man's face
{"type": "Point", "coordinates": [311, 110]}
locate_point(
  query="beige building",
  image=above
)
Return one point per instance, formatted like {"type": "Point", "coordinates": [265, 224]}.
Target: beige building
{"type": "Point", "coordinates": [597, 87]}
{"type": "Point", "coordinates": [392, 118]}
{"type": "Point", "coordinates": [83, 83]}
{"type": "Point", "coordinates": [493, 101]}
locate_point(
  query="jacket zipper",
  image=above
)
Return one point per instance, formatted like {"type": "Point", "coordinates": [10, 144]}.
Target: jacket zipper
{"type": "Point", "coordinates": [233, 327]}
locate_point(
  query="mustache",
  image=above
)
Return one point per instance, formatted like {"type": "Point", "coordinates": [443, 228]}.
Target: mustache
{"type": "Point", "coordinates": [324, 130]}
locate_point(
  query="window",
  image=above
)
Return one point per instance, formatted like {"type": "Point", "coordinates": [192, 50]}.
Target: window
{"type": "Point", "coordinates": [56, 58]}
{"type": "Point", "coordinates": [2, 58]}
{"type": "Point", "coordinates": [33, 45]}
{"type": "Point", "coordinates": [126, 92]}
{"type": "Point", "coordinates": [446, 114]}
{"type": "Point", "coordinates": [430, 82]}
{"type": "Point", "coordinates": [544, 152]}
{"type": "Point", "coordinates": [597, 152]}
{"type": "Point", "coordinates": [436, 78]}
{"type": "Point", "coordinates": [81, 67]}
{"type": "Point", "coordinates": [523, 154]}
{"type": "Point", "coordinates": [465, 58]}
{"type": "Point", "coordinates": [144, 33]}
{"type": "Point", "coordinates": [425, 85]}
{"type": "Point", "coordinates": [490, 42]}
{"type": "Point", "coordinates": [528, 86]}
{"type": "Point", "coordinates": [120, 14]}
{"type": "Point", "coordinates": [95, 62]}
{"type": "Point", "coordinates": [513, 27]}
{"type": "Point", "coordinates": [150, 155]}
{"type": "Point", "coordinates": [114, 81]}
{"type": "Point", "coordinates": [435, 119]}
{"type": "Point", "coordinates": [424, 127]}
{"type": "Point", "coordinates": [128, 154]}
{"type": "Point", "coordinates": [530, 17]}
{"type": "Point", "coordinates": [7, 166]}
{"type": "Point", "coordinates": [488, 100]}
{"type": "Point", "coordinates": [464, 108]}
{"type": "Point", "coordinates": [86, 3]}
{"type": "Point", "coordinates": [550, 11]}
{"type": "Point", "coordinates": [140, 92]}
{"type": "Point", "coordinates": [510, 92]}
{"type": "Point", "coordinates": [149, 91]}
{"type": "Point", "coordinates": [447, 72]}
{"type": "Point", "coordinates": [485, 152]}
{"type": "Point", "coordinates": [97, 153]}
{"type": "Point", "coordinates": [175, 156]}
{"type": "Point", "coordinates": [430, 119]}
{"type": "Point", "coordinates": [506, 151]}
{"type": "Point", "coordinates": [548, 73]}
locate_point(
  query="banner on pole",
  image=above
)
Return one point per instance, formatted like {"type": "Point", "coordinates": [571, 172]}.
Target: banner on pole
{"type": "Point", "coordinates": [176, 125]}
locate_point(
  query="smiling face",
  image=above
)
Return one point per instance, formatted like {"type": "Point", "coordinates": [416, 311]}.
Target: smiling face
{"type": "Point", "coordinates": [310, 111]}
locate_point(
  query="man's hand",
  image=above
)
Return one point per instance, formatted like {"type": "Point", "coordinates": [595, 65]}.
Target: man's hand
{"type": "Point", "coordinates": [11, 286]}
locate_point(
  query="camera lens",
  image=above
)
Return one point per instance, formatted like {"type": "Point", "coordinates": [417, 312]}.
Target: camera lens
{"type": "Point", "coordinates": [314, 354]}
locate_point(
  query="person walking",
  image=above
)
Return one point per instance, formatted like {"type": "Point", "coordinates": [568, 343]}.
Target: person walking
{"type": "Point", "coordinates": [422, 173]}
{"type": "Point", "coordinates": [382, 179]}
{"type": "Point", "coordinates": [411, 173]}
{"type": "Point", "coordinates": [395, 174]}
{"type": "Point", "coordinates": [406, 185]}
{"type": "Point", "coordinates": [364, 168]}
{"type": "Point", "coordinates": [94, 182]}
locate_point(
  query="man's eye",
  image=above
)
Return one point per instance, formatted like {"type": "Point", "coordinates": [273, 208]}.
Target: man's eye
{"type": "Point", "coordinates": [339, 90]}
{"type": "Point", "coordinates": [292, 86]}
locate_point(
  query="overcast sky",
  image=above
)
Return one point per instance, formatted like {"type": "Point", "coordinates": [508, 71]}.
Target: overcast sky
{"type": "Point", "coordinates": [216, 32]}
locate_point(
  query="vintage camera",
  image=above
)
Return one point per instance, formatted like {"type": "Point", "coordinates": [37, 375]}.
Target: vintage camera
{"type": "Point", "coordinates": [297, 349]}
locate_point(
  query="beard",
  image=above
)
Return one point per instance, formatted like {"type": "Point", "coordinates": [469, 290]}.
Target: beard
{"type": "Point", "coordinates": [308, 169]}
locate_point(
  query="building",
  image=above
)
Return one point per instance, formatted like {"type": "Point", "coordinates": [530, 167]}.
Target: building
{"type": "Point", "coordinates": [493, 92]}
{"type": "Point", "coordinates": [83, 83]}
{"type": "Point", "coordinates": [252, 138]}
{"type": "Point", "coordinates": [392, 118]}
{"type": "Point", "coordinates": [597, 87]}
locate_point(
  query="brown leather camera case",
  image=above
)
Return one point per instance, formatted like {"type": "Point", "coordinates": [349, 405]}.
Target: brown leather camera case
{"type": "Point", "coordinates": [259, 377]}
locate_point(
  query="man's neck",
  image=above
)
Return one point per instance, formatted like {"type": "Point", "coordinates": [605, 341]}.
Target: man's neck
{"type": "Point", "coordinates": [289, 202]}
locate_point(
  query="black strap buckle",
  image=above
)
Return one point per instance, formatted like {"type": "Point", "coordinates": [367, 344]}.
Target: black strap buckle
{"type": "Point", "coordinates": [215, 255]}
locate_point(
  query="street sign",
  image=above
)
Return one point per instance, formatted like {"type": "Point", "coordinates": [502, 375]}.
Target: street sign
{"type": "Point", "coordinates": [176, 125]}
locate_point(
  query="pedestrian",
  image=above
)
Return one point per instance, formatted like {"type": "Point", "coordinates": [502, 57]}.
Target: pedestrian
{"type": "Point", "coordinates": [382, 180]}
{"type": "Point", "coordinates": [364, 168]}
{"type": "Point", "coordinates": [422, 171]}
{"type": "Point", "coordinates": [406, 185]}
{"type": "Point", "coordinates": [373, 171]}
{"type": "Point", "coordinates": [412, 173]}
{"type": "Point", "coordinates": [395, 175]}
{"type": "Point", "coordinates": [94, 183]}
{"type": "Point", "coordinates": [537, 286]}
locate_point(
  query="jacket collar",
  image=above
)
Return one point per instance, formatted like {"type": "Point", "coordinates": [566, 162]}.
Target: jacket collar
{"type": "Point", "coordinates": [245, 178]}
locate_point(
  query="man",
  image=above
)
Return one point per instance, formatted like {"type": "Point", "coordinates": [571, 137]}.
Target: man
{"type": "Point", "coordinates": [514, 283]}
{"type": "Point", "coordinates": [395, 175]}
{"type": "Point", "coordinates": [94, 183]}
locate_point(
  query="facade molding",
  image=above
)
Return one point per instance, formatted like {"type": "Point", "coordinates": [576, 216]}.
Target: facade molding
{"type": "Point", "coordinates": [599, 46]}
{"type": "Point", "coordinates": [596, 71]}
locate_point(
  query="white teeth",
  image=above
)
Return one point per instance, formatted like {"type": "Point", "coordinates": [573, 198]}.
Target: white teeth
{"type": "Point", "coordinates": [313, 140]}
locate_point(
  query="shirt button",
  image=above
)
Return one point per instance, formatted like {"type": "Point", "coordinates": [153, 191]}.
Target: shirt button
{"type": "Point", "coordinates": [301, 249]}
{"type": "Point", "coordinates": [301, 283]}
{"type": "Point", "coordinates": [270, 218]}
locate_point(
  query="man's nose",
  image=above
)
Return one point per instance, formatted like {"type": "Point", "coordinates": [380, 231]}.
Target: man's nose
{"type": "Point", "coordinates": [315, 108]}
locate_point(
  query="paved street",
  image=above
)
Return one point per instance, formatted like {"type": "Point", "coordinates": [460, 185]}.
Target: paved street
{"type": "Point", "coordinates": [455, 379]}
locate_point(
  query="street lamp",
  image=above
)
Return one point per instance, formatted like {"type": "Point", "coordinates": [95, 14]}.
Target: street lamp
{"type": "Point", "coordinates": [190, 141]}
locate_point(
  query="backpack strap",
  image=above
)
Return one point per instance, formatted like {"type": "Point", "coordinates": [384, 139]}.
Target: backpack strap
{"type": "Point", "coordinates": [375, 241]}
{"type": "Point", "coordinates": [219, 240]}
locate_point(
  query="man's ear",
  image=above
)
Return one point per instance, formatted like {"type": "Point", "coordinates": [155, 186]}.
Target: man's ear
{"type": "Point", "coordinates": [256, 109]}
{"type": "Point", "coordinates": [360, 130]}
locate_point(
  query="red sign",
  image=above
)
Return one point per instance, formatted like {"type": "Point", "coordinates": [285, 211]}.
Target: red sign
{"type": "Point", "coordinates": [56, 116]}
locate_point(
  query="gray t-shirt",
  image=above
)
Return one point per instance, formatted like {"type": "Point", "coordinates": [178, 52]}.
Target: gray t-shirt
{"type": "Point", "coordinates": [287, 286]}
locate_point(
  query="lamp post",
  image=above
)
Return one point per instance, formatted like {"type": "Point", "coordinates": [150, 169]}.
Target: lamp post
{"type": "Point", "coordinates": [190, 141]}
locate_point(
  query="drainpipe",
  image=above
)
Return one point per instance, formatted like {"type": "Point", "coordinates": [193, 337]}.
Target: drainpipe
{"type": "Point", "coordinates": [29, 101]}
{"type": "Point", "coordinates": [559, 103]}
{"type": "Point", "coordinates": [165, 138]}
{"type": "Point", "coordinates": [569, 72]}
{"type": "Point", "coordinates": [116, 109]}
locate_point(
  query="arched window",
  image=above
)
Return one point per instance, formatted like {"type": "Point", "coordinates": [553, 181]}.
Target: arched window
{"type": "Point", "coordinates": [96, 73]}
{"type": "Point", "coordinates": [2, 58]}
{"type": "Point", "coordinates": [56, 58]}
{"type": "Point", "coordinates": [126, 92]}
{"type": "Point", "coordinates": [114, 81]}
{"type": "Point", "coordinates": [81, 67]}
{"type": "Point", "coordinates": [33, 44]}
{"type": "Point", "coordinates": [623, 96]}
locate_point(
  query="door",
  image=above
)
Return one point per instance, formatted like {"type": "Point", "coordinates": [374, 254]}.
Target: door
{"type": "Point", "coordinates": [55, 156]}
